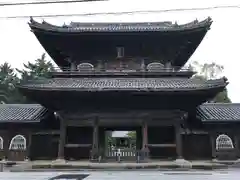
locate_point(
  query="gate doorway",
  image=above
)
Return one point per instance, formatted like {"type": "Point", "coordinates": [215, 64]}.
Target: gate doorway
{"type": "Point", "coordinates": [121, 143]}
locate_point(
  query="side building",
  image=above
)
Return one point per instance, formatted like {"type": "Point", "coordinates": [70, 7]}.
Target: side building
{"type": "Point", "coordinates": [127, 76]}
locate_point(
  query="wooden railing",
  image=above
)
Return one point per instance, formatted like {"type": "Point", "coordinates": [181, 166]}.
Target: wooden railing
{"type": "Point", "coordinates": [123, 153]}
{"type": "Point", "coordinates": [101, 70]}
{"type": "Point", "coordinates": [66, 71]}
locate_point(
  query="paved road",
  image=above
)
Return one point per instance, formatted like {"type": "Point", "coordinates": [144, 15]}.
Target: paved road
{"type": "Point", "coordinates": [135, 175]}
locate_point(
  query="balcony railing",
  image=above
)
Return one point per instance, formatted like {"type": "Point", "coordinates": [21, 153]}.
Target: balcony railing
{"type": "Point", "coordinates": [66, 71]}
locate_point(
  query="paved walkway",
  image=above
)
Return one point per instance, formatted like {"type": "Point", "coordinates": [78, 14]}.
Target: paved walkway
{"type": "Point", "coordinates": [86, 165]}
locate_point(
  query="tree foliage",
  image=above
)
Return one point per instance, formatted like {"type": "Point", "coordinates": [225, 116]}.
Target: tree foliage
{"type": "Point", "coordinates": [39, 69]}
{"type": "Point", "coordinates": [211, 71]}
{"type": "Point", "coordinates": [132, 134]}
{"type": "Point", "coordinates": [9, 80]}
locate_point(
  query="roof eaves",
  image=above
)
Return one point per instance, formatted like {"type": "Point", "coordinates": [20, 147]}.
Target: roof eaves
{"type": "Point", "coordinates": [220, 120]}
{"type": "Point", "coordinates": [219, 83]}
{"type": "Point", "coordinates": [19, 121]}
{"type": "Point", "coordinates": [122, 89]}
{"type": "Point", "coordinates": [189, 26]}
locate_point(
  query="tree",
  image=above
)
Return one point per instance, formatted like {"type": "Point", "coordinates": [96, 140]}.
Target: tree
{"type": "Point", "coordinates": [9, 79]}
{"type": "Point", "coordinates": [8, 82]}
{"type": "Point", "coordinates": [211, 71]}
{"type": "Point", "coordinates": [132, 135]}
{"type": "Point", "coordinates": [41, 68]}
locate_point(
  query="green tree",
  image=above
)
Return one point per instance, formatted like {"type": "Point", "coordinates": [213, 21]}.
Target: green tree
{"type": "Point", "coordinates": [132, 135]}
{"type": "Point", "coordinates": [211, 71]}
{"type": "Point", "coordinates": [8, 82]}
{"type": "Point", "coordinates": [41, 68]}
{"type": "Point", "coordinates": [9, 93]}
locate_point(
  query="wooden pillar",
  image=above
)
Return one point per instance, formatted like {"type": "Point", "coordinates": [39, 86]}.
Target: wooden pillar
{"type": "Point", "coordinates": [236, 146]}
{"type": "Point", "coordinates": [213, 144]}
{"type": "Point", "coordinates": [6, 143]}
{"type": "Point", "coordinates": [29, 145]}
{"type": "Point", "coordinates": [145, 137]}
{"type": "Point", "coordinates": [62, 138]}
{"type": "Point", "coordinates": [106, 147]}
{"type": "Point", "coordinates": [178, 141]}
{"type": "Point", "coordinates": [95, 139]}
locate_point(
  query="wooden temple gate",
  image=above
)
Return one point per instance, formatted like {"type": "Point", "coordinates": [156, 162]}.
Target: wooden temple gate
{"type": "Point", "coordinates": [94, 124]}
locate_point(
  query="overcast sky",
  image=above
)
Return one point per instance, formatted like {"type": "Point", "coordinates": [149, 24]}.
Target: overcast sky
{"type": "Point", "coordinates": [221, 45]}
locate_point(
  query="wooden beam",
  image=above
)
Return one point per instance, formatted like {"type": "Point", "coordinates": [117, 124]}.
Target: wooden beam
{"type": "Point", "coordinates": [162, 145]}
{"type": "Point", "coordinates": [120, 122]}
{"type": "Point", "coordinates": [47, 132]}
{"type": "Point", "coordinates": [133, 114]}
{"type": "Point", "coordinates": [77, 145]}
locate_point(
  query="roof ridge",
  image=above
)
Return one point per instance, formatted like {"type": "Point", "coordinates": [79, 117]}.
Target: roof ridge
{"type": "Point", "coordinates": [136, 26]}
{"type": "Point", "coordinates": [208, 19]}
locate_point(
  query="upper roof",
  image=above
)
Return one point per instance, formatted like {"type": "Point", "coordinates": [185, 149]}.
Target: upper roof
{"type": "Point", "coordinates": [125, 84]}
{"type": "Point", "coordinates": [21, 113]}
{"type": "Point", "coordinates": [91, 42]}
{"type": "Point", "coordinates": [216, 112]}
{"type": "Point", "coordinates": [120, 27]}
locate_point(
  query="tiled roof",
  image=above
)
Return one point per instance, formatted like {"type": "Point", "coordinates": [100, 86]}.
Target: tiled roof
{"type": "Point", "coordinates": [219, 112]}
{"type": "Point", "coordinates": [21, 112]}
{"type": "Point", "coordinates": [127, 84]}
{"type": "Point", "coordinates": [121, 27]}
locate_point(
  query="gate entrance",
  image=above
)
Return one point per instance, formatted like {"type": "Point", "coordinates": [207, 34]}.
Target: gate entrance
{"type": "Point", "coordinates": [120, 143]}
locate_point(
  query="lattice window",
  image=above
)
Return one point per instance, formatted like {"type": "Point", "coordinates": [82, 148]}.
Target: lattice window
{"type": "Point", "coordinates": [1, 143]}
{"type": "Point", "coordinates": [224, 142]}
{"type": "Point", "coordinates": [155, 66]}
{"type": "Point", "coordinates": [18, 142]}
{"type": "Point", "coordinates": [85, 67]}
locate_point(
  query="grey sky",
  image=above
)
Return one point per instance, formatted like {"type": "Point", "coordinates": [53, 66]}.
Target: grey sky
{"type": "Point", "coordinates": [221, 45]}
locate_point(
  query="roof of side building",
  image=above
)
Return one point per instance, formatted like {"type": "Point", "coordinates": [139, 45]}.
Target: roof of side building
{"type": "Point", "coordinates": [21, 113]}
{"type": "Point", "coordinates": [216, 112]}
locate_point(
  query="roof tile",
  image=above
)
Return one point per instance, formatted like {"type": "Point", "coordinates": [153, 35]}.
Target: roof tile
{"type": "Point", "coordinates": [121, 27]}
{"type": "Point", "coordinates": [219, 112]}
{"type": "Point", "coordinates": [21, 112]}
{"type": "Point", "coordinates": [108, 84]}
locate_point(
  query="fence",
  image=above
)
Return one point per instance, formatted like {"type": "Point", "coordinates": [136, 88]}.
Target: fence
{"type": "Point", "coordinates": [124, 153]}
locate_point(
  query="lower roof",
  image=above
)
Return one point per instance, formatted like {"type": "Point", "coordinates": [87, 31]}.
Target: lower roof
{"type": "Point", "coordinates": [124, 84]}
{"type": "Point", "coordinates": [219, 112]}
{"type": "Point", "coordinates": [21, 113]}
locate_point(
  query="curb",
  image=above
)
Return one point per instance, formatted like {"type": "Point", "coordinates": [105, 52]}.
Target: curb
{"type": "Point", "coordinates": [117, 168]}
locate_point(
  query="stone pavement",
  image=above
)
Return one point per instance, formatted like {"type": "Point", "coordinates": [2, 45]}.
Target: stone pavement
{"type": "Point", "coordinates": [129, 175]}
{"type": "Point", "coordinates": [86, 165]}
